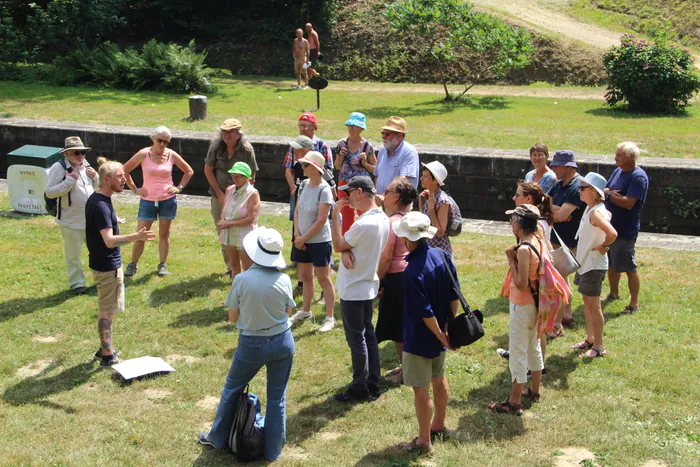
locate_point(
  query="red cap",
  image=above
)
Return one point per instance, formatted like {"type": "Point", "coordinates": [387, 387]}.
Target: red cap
{"type": "Point", "coordinates": [308, 117]}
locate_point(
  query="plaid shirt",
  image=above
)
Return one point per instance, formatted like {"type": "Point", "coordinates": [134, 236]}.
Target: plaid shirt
{"type": "Point", "coordinates": [319, 145]}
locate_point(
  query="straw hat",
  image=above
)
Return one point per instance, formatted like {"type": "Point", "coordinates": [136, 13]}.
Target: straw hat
{"type": "Point", "coordinates": [396, 124]}
{"type": "Point", "coordinates": [74, 143]}
{"type": "Point", "coordinates": [316, 159]}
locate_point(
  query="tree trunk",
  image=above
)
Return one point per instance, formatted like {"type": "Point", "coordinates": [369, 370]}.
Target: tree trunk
{"type": "Point", "coordinates": [198, 107]}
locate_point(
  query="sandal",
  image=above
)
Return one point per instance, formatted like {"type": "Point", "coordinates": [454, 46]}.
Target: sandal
{"type": "Point", "coordinates": [557, 331]}
{"type": "Point", "coordinates": [415, 447]}
{"type": "Point", "coordinates": [610, 297]}
{"type": "Point", "coordinates": [583, 345]}
{"type": "Point", "coordinates": [594, 353]}
{"type": "Point", "coordinates": [568, 322]}
{"type": "Point", "coordinates": [396, 370]}
{"type": "Point", "coordinates": [507, 407]}
{"type": "Point", "coordinates": [629, 310]}
{"type": "Point", "coordinates": [533, 396]}
{"type": "Point", "coordinates": [442, 434]}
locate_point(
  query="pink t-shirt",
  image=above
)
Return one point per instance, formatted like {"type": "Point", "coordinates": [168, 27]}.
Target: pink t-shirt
{"type": "Point", "coordinates": [157, 178]}
{"type": "Point", "coordinates": [398, 258]}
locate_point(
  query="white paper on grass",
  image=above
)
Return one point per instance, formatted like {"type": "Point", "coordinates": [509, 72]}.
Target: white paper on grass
{"type": "Point", "coordinates": [142, 366]}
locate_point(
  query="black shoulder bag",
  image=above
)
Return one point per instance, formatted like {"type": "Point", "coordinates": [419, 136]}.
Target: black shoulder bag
{"type": "Point", "coordinates": [465, 328]}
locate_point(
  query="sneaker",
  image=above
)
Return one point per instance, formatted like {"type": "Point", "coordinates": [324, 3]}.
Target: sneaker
{"type": "Point", "coordinates": [130, 270]}
{"type": "Point", "coordinates": [327, 325]}
{"type": "Point", "coordinates": [204, 439]}
{"type": "Point", "coordinates": [296, 87]}
{"type": "Point", "coordinates": [98, 354]}
{"type": "Point", "coordinates": [109, 362]}
{"type": "Point", "coordinates": [305, 88]}
{"type": "Point", "coordinates": [503, 353]}
{"type": "Point", "coordinates": [374, 390]}
{"type": "Point", "coordinates": [301, 316]}
{"type": "Point", "coordinates": [162, 270]}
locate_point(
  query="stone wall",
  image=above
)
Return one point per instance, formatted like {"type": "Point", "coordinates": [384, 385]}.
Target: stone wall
{"type": "Point", "coordinates": [482, 181]}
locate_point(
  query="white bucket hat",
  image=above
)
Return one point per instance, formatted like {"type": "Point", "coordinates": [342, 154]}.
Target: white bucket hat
{"type": "Point", "coordinates": [438, 170]}
{"type": "Point", "coordinates": [264, 247]}
{"type": "Point", "coordinates": [413, 226]}
{"type": "Point", "coordinates": [597, 181]}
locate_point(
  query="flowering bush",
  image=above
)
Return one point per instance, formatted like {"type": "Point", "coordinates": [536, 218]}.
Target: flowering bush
{"type": "Point", "coordinates": [651, 76]}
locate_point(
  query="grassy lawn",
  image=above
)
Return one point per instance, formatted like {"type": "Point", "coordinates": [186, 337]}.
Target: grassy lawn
{"type": "Point", "coordinates": [57, 408]}
{"type": "Point", "coordinates": [270, 107]}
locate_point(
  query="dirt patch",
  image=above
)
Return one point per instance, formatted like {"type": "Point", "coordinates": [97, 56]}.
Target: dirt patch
{"type": "Point", "coordinates": [572, 457]}
{"type": "Point", "coordinates": [654, 463]}
{"type": "Point", "coordinates": [208, 403]}
{"type": "Point", "coordinates": [330, 435]}
{"type": "Point", "coordinates": [157, 393]}
{"type": "Point", "coordinates": [33, 369]}
{"type": "Point", "coordinates": [47, 339]}
{"type": "Point", "coordinates": [295, 453]}
{"type": "Point", "coordinates": [189, 359]}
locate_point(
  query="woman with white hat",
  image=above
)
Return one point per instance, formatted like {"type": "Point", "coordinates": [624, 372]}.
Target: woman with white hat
{"type": "Point", "coordinates": [239, 216]}
{"type": "Point", "coordinates": [435, 204]}
{"type": "Point", "coordinates": [595, 235]}
{"type": "Point", "coordinates": [312, 249]}
{"type": "Point", "coordinates": [259, 303]}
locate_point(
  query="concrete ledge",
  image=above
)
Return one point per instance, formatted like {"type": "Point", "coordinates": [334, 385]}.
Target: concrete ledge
{"type": "Point", "coordinates": [481, 180]}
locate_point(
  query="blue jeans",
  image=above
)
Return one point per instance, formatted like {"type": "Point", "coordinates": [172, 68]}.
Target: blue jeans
{"type": "Point", "coordinates": [364, 350]}
{"type": "Point", "coordinates": [253, 352]}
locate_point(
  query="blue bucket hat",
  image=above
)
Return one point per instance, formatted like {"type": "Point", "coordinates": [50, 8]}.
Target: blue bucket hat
{"type": "Point", "coordinates": [564, 158]}
{"type": "Point", "coordinates": [357, 119]}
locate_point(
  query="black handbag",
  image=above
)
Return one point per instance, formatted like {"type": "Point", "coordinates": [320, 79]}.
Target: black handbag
{"type": "Point", "coordinates": [465, 328]}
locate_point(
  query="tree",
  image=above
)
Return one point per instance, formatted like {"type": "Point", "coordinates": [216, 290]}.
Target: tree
{"type": "Point", "coordinates": [461, 45]}
{"type": "Point", "coordinates": [651, 76]}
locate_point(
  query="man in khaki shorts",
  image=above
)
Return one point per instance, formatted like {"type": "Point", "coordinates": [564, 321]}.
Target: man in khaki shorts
{"type": "Point", "coordinates": [300, 52]}
{"type": "Point", "coordinates": [429, 301]}
{"type": "Point", "coordinates": [103, 242]}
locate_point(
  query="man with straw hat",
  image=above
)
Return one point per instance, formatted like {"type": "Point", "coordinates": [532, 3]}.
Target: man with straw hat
{"type": "Point", "coordinates": [397, 158]}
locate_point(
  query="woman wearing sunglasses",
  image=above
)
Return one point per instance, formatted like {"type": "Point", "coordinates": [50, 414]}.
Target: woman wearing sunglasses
{"type": "Point", "coordinates": [158, 194]}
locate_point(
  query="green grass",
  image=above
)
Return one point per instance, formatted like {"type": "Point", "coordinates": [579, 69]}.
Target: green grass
{"type": "Point", "coordinates": [634, 405]}
{"type": "Point", "coordinates": [268, 106]}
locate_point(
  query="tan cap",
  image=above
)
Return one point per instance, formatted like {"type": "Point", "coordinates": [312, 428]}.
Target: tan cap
{"type": "Point", "coordinates": [231, 124]}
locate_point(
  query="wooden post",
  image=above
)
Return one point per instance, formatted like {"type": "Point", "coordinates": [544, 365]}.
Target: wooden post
{"type": "Point", "coordinates": [198, 107]}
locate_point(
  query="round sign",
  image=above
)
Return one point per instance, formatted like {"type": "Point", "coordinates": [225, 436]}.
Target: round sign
{"type": "Point", "coordinates": [318, 83]}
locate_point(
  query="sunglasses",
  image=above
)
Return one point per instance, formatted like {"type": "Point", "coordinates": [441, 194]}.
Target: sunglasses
{"type": "Point", "coordinates": [80, 153]}
{"type": "Point", "coordinates": [304, 165]}
{"type": "Point", "coordinates": [350, 190]}
{"type": "Point", "coordinates": [163, 141]}
{"type": "Point", "coordinates": [388, 133]}
{"type": "Point", "coordinates": [583, 187]}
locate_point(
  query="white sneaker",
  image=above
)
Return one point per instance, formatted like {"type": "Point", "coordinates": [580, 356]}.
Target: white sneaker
{"type": "Point", "coordinates": [296, 87]}
{"type": "Point", "coordinates": [301, 316]}
{"type": "Point", "coordinates": [327, 325]}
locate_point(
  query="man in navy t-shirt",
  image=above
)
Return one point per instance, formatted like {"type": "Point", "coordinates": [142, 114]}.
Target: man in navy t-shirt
{"type": "Point", "coordinates": [103, 242]}
{"type": "Point", "coordinates": [625, 195]}
{"type": "Point", "coordinates": [429, 301]}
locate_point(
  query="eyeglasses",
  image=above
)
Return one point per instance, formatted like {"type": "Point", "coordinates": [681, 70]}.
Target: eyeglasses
{"type": "Point", "coordinates": [163, 141]}
{"type": "Point", "coordinates": [304, 164]}
{"type": "Point", "coordinates": [389, 191]}
{"type": "Point", "coordinates": [388, 133]}
{"type": "Point", "coordinates": [350, 190]}
{"type": "Point", "coordinates": [305, 126]}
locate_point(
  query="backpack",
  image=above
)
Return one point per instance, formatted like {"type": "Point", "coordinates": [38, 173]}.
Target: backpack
{"type": "Point", "coordinates": [454, 218]}
{"type": "Point", "coordinates": [53, 205]}
{"type": "Point", "coordinates": [247, 437]}
{"type": "Point", "coordinates": [552, 291]}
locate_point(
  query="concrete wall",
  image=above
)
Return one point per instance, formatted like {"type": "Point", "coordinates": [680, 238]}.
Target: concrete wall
{"type": "Point", "coordinates": [482, 181]}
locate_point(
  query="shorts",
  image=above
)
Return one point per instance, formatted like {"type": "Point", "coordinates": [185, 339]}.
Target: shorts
{"type": "Point", "coordinates": [110, 290]}
{"type": "Point", "coordinates": [590, 283]}
{"type": "Point", "coordinates": [621, 255]}
{"type": "Point", "coordinates": [298, 65]}
{"type": "Point", "coordinates": [319, 254]}
{"type": "Point", "coordinates": [313, 56]}
{"type": "Point", "coordinates": [165, 210]}
{"type": "Point", "coordinates": [418, 371]}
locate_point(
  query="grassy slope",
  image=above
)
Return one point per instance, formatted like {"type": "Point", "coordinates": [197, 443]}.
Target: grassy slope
{"type": "Point", "coordinates": [269, 107]}
{"type": "Point", "coordinates": [632, 406]}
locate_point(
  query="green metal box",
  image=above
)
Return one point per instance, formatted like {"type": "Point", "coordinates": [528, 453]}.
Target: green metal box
{"type": "Point", "coordinates": [37, 156]}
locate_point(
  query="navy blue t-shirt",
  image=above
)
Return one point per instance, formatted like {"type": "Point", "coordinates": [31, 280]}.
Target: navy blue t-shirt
{"type": "Point", "coordinates": [633, 183]}
{"type": "Point", "coordinates": [99, 215]}
{"type": "Point", "coordinates": [568, 194]}
{"type": "Point", "coordinates": [427, 292]}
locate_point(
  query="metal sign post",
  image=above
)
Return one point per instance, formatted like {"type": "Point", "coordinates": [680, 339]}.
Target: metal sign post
{"type": "Point", "coordinates": [318, 83]}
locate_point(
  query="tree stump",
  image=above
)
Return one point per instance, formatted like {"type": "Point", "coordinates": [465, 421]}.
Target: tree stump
{"type": "Point", "coordinates": [198, 107]}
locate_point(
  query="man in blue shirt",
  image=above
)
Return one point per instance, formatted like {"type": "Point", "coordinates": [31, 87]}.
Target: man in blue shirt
{"type": "Point", "coordinates": [429, 301]}
{"type": "Point", "coordinates": [397, 158]}
{"type": "Point", "coordinates": [625, 195]}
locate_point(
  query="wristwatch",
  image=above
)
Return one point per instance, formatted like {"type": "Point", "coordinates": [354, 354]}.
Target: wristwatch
{"type": "Point", "coordinates": [181, 187]}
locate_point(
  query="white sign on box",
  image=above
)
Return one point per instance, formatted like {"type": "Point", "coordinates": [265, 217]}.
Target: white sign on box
{"type": "Point", "coordinates": [142, 366]}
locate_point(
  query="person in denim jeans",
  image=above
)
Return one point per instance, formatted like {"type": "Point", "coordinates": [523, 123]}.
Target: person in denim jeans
{"type": "Point", "coordinates": [260, 303]}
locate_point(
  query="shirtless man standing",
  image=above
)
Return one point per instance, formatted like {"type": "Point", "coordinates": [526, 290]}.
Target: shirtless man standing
{"type": "Point", "coordinates": [314, 44]}
{"type": "Point", "coordinates": [300, 52]}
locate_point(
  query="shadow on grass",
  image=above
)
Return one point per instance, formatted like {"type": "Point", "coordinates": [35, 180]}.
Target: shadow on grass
{"type": "Point", "coordinates": [22, 306]}
{"type": "Point", "coordinates": [495, 305]}
{"type": "Point", "coordinates": [36, 389]}
{"type": "Point", "coordinates": [440, 107]}
{"type": "Point", "coordinates": [622, 113]}
{"type": "Point", "coordinates": [392, 455]}
{"type": "Point", "coordinates": [202, 318]}
{"type": "Point", "coordinates": [186, 290]}
{"type": "Point", "coordinates": [312, 419]}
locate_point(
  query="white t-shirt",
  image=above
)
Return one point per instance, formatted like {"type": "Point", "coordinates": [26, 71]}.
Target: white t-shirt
{"type": "Point", "coordinates": [367, 237]}
{"type": "Point", "coordinates": [590, 237]}
{"type": "Point", "coordinates": [308, 203]}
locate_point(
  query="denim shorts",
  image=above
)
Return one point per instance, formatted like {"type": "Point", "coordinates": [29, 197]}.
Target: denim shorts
{"type": "Point", "coordinates": [152, 210]}
{"type": "Point", "coordinates": [319, 254]}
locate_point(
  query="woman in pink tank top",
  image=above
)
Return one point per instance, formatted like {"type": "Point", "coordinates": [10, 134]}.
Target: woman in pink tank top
{"type": "Point", "coordinates": [158, 194]}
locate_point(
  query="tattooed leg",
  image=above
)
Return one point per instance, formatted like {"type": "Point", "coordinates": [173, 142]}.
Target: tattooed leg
{"type": "Point", "coordinates": [104, 329]}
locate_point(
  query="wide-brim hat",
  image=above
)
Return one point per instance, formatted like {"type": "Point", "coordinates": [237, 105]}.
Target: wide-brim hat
{"type": "Point", "coordinates": [438, 170]}
{"type": "Point", "coordinates": [396, 124]}
{"type": "Point", "coordinates": [241, 168]}
{"type": "Point", "coordinates": [414, 226]}
{"type": "Point", "coordinates": [316, 159]}
{"type": "Point", "coordinates": [231, 124]}
{"type": "Point", "coordinates": [74, 143]}
{"type": "Point", "coordinates": [264, 247]}
{"type": "Point", "coordinates": [564, 158]}
{"type": "Point", "coordinates": [357, 119]}
{"type": "Point", "coordinates": [528, 211]}
{"type": "Point", "coordinates": [597, 181]}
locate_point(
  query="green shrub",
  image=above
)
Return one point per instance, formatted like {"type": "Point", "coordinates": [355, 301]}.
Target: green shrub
{"type": "Point", "coordinates": [651, 77]}
{"type": "Point", "coordinates": [157, 66]}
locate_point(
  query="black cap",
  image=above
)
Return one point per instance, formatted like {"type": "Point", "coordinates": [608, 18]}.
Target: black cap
{"type": "Point", "coordinates": [360, 181]}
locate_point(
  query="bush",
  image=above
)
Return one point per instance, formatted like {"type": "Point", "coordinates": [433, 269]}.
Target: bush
{"type": "Point", "coordinates": [157, 66]}
{"type": "Point", "coordinates": [652, 77]}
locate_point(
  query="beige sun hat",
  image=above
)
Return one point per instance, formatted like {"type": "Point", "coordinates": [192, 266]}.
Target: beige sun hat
{"type": "Point", "coordinates": [316, 159]}
{"type": "Point", "coordinates": [413, 226]}
{"type": "Point", "coordinates": [231, 124]}
{"type": "Point", "coordinates": [74, 143]}
{"type": "Point", "coordinates": [396, 124]}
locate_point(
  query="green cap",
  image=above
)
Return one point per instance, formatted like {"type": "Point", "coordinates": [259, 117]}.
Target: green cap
{"type": "Point", "coordinates": [241, 168]}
